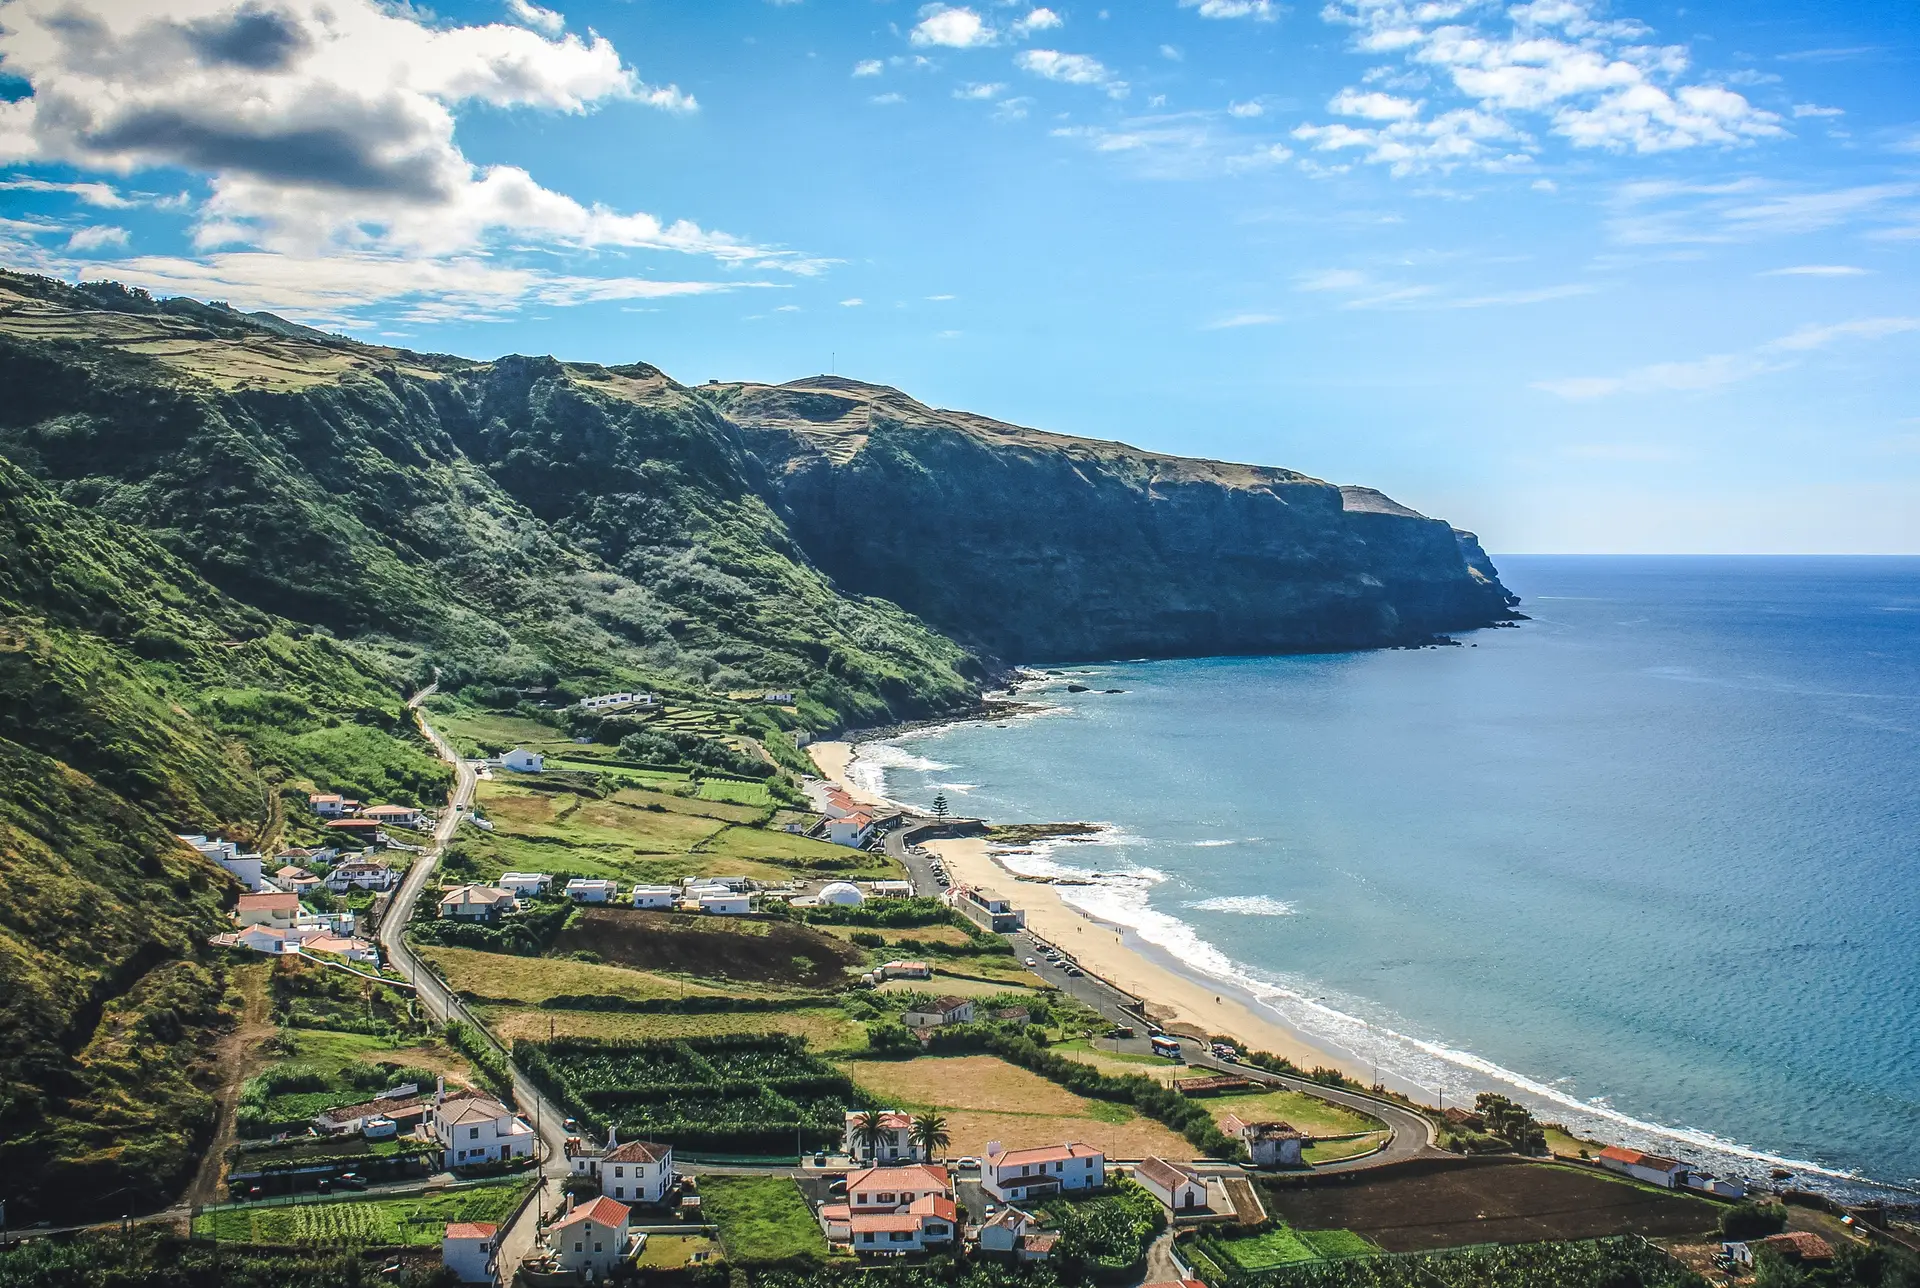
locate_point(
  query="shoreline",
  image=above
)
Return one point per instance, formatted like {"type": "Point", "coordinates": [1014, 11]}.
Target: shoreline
{"type": "Point", "coordinates": [1171, 996]}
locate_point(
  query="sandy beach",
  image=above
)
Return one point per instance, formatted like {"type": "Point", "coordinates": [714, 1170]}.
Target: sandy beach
{"type": "Point", "coordinates": [1171, 997]}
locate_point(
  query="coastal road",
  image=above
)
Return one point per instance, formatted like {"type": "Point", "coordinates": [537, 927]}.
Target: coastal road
{"type": "Point", "coordinates": [1412, 1133]}
{"type": "Point", "coordinates": [443, 1007]}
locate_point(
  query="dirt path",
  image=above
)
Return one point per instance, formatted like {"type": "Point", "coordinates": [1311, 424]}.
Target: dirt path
{"type": "Point", "coordinates": [238, 1056]}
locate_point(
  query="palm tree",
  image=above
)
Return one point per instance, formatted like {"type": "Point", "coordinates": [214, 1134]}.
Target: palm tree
{"type": "Point", "coordinates": [929, 1132]}
{"type": "Point", "coordinates": [870, 1130]}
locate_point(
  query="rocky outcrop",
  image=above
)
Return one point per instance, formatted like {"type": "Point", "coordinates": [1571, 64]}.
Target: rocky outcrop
{"type": "Point", "coordinates": [1035, 545]}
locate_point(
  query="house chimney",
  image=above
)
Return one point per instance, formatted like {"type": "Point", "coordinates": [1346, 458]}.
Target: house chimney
{"type": "Point", "coordinates": [439, 1090]}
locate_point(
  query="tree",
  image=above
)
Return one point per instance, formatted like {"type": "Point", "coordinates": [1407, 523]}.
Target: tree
{"type": "Point", "coordinates": [940, 805]}
{"type": "Point", "coordinates": [929, 1133]}
{"type": "Point", "coordinates": [870, 1130]}
{"type": "Point", "coordinates": [1512, 1123]}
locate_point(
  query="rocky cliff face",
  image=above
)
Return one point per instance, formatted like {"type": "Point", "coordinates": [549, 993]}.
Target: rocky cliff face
{"type": "Point", "coordinates": [1038, 546]}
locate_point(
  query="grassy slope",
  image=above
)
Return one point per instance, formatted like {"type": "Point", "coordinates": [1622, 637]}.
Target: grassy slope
{"type": "Point", "coordinates": [514, 522]}
{"type": "Point", "coordinates": [135, 701]}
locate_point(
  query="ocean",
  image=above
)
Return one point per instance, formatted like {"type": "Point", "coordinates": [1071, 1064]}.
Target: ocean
{"type": "Point", "coordinates": [1650, 861]}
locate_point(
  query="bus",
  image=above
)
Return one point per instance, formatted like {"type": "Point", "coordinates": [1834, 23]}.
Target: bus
{"type": "Point", "coordinates": [1168, 1047]}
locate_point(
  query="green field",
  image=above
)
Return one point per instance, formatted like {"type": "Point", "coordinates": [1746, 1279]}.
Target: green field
{"type": "Point", "coordinates": [361, 1222]}
{"type": "Point", "coordinates": [1284, 1246]}
{"type": "Point", "coordinates": [762, 1219]}
{"type": "Point", "coordinates": [1306, 1113]}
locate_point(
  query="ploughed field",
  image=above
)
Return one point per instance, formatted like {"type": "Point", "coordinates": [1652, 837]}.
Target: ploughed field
{"type": "Point", "coordinates": [754, 952]}
{"type": "Point", "coordinates": [1445, 1203]}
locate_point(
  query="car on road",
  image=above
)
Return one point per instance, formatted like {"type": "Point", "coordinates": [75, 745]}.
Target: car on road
{"type": "Point", "coordinates": [968, 1164]}
{"type": "Point", "coordinates": [1031, 962]}
{"type": "Point", "coordinates": [351, 1181]}
{"type": "Point", "coordinates": [1075, 972]}
{"type": "Point", "coordinates": [837, 1186]}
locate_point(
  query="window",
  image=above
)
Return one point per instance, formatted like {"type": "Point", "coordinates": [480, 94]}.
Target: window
{"type": "Point", "coordinates": [579, 1247]}
{"type": "Point", "coordinates": [473, 1133]}
{"type": "Point", "coordinates": [619, 1171]}
{"type": "Point", "coordinates": [619, 1191]}
{"type": "Point", "coordinates": [901, 1236]}
{"type": "Point", "coordinates": [597, 1248]}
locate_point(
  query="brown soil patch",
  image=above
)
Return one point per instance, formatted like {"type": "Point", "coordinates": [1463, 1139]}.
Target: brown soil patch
{"type": "Point", "coordinates": [690, 944]}
{"type": "Point", "coordinates": [238, 1057]}
{"type": "Point", "coordinates": [1446, 1203]}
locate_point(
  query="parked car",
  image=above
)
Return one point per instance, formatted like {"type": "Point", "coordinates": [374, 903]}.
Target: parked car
{"type": "Point", "coordinates": [968, 1164]}
{"type": "Point", "coordinates": [1075, 971]}
{"type": "Point", "coordinates": [351, 1181]}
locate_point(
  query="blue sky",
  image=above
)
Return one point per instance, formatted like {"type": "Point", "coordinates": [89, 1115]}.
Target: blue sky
{"type": "Point", "coordinates": [1629, 277]}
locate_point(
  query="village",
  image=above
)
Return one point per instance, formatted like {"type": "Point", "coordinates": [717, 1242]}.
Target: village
{"type": "Point", "coordinates": [716, 1028]}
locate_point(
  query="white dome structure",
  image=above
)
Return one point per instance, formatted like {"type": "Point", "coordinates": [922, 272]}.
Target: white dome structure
{"type": "Point", "coordinates": [844, 892]}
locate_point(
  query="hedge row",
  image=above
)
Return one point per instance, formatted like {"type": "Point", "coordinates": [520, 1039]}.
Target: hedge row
{"type": "Point", "coordinates": [702, 1004]}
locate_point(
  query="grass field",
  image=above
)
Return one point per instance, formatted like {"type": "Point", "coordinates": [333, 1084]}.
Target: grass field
{"type": "Point", "coordinates": [1314, 1117]}
{"type": "Point", "coordinates": [800, 852]}
{"type": "Point", "coordinates": [825, 1029]}
{"type": "Point", "coordinates": [672, 1251]}
{"type": "Point", "coordinates": [421, 1219]}
{"type": "Point", "coordinates": [1158, 1068]}
{"type": "Point", "coordinates": [943, 983]}
{"type": "Point", "coordinates": [725, 789]}
{"type": "Point", "coordinates": [762, 1219]}
{"type": "Point", "coordinates": [1328, 1151]}
{"type": "Point", "coordinates": [984, 1098]}
{"type": "Point", "coordinates": [1285, 1246]}
{"type": "Point", "coordinates": [534, 979]}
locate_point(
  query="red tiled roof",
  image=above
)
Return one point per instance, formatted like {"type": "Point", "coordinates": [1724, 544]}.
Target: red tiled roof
{"type": "Point", "coordinates": [934, 1205]}
{"type": "Point", "coordinates": [882, 1222]}
{"type": "Point", "coordinates": [1165, 1174]}
{"type": "Point", "coordinates": [603, 1210]}
{"type": "Point", "coordinates": [1634, 1158]}
{"type": "Point", "coordinates": [471, 1230]}
{"type": "Point", "coordinates": [1044, 1154]}
{"type": "Point", "coordinates": [1040, 1241]}
{"type": "Point", "coordinates": [892, 1119]}
{"type": "Point", "coordinates": [249, 902]}
{"type": "Point", "coordinates": [638, 1151]}
{"type": "Point", "coordinates": [919, 1176]}
{"type": "Point", "coordinates": [1801, 1244]}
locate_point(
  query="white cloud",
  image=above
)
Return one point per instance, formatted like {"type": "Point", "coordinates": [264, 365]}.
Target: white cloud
{"type": "Point", "coordinates": [1177, 145]}
{"type": "Point", "coordinates": [1070, 69]}
{"type": "Point", "coordinates": [1596, 82]}
{"type": "Point", "coordinates": [1816, 270]}
{"type": "Point", "coordinates": [1667, 212]}
{"type": "Point", "coordinates": [1814, 109]}
{"type": "Point", "coordinates": [951, 28]}
{"type": "Point", "coordinates": [1258, 10]}
{"type": "Point", "coordinates": [1373, 106]}
{"type": "Point", "coordinates": [979, 93]}
{"type": "Point", "coordinates": [853, 303]}
{"type": "Point", "coordinates": [1721, 369]}
{"type": "Point", "coordinates": [97, 237]}
{"type": "Point", "coordinates": [532, 15]}
{"type": "Point", "coordinates": [103, 195]}
{"type": "Point", "coordinates": [887, 100]}
{"type": "Point", "coordinates": [1236, 320]}
{"type": "Point", "coordinates": [787, 308]}
{"type": "Point", "coordinates": [940, 297]}
{"type": "Point", "coordinates": [1172, 54]}
{"type": "Point", "coordinates": [1248, 110]}
{"type": "Point", "coordinates": [868, 67]}
{"type": "Point", "coordinates": [1037, 20]}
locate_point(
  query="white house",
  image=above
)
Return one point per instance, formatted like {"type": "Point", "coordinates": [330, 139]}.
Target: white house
{"type": "Point", "coordinates": [479, 1129]}
{"type": "Point", "coordinates": [351, 947]}
{"type": "Point", "coordinates": [945, 1010]}
{"type": "Point", "coordinates": [525, 885]}
{"type": "Point", "coordinates": [894, 1144]}
{"type": "Point", "coordinates": [1011, 1233]}
{"type": "Point", "coordinates": [855, 829]}
{"type": "Point", "coordinates": [262, 939]}
{"type": "Point", "coordinates": [890, 889]}
{"type": "Point", "coordinates": [397, 815]}
{"type": "Point", "coordinates": [905, 970]}
{"type": "Point", "coordinates": [894, 1189]}
{"type": "Point", "coordinates": [592, 890]}
{"type": "Point", "coordinates": [244, 867]}
{"type": "Point", "coordinates": [637, 1172]}
{"type": "Point", "coordinates": [593, 1237]}
{"type": "Point", "coordinates": [476, 903]}
{"type": "Point", "coordinates": [1178, 1187]}
{"type": "Point", "coordinates": [1016, 1175]}
{"type": "Point", "coordinates": [606, 700]}
{"type": "Point", "coordinates": [361, 874]}
{"type": "Point", "coordinates": [467, 1250]}
{"type": "Point", "coordinates": [524, 762]}
{"type": "Point", "coordinates": [276, 910]}
{"type": "Point", "coordinates": [778, 697]}
{"type": "Point", "coordinates": [737, 885]}
{"type": "Point", "coordinates": [296, 880]}
{"type": "Point", "coordinates": [1720, 1188]}
{"type": "Point", "coordinates": [331, 805]}
{"type": "Point", "coordinates": [929, 1221]}
{"type": "Point", "coordinates": [845, 893]}
{"type": "Point", "coordinates": [1269, 1144]}
{"type": "Point", "coordinates": [1651, 1168]}
{"type": "Point", "coordinates": [726, 905]}
{"type": "Point", "coordinates": [645, 896]}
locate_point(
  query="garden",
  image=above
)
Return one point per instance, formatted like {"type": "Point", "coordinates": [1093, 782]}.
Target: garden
{"type": "Point", "coordinates": [763, 1221]}
{"type": "Point", "coordinates": [744, 1093]}
{"type": "Point", "coordinates": [361, 1222]}
{"type": "Point", "coordinates": [1624, 1262]}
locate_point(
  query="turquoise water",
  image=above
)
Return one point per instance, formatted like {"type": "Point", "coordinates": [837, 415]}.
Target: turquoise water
{"type": "Point", "coordinates": [1652, 858]}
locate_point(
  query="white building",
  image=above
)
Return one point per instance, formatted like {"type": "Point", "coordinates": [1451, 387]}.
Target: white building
{"type": "Point", "coordinates": [1178, 1187]}
{"type": "Point", "coordinates": [524, 762]}
{"type": "Point", "coordinates": [396, 815]}
{"type": "Point", "coordinates": [1269, 1144]}
{"type": "Point", "coordinates": [1651, 1168]}
{"type": "Point", "coordinates": [331, 805]}
{"type": "Point", "coordinates": [854, 829]}
{"type": "Point", "coordinates": [467, 1249]}
{"type": "Point", "coordinates": [845, 893]}
{"type": "Point", "coordinates": [645, 896]}
{"type": "Point", "coordinates": [726, 905]}
{"type": "Point", "coordinates": [477, 903]}
{"type": "Point", "coordinates": [929, 1222]}
{"type": "Point", "coordinates": [592, 890]}
{"type": "Point", "coordinates": [895, 1142]}
{"type": "Point", "coordinates": [894, 1189]}
{"type": "Point", "coordinates": [1720, 1188]}
{"type": "Point", "coordinates": [592, 1238]}
{"type": "Point", "coordinates": [525, 885]}
{"type": "Point", "coordinates": [1017, 1175]}
{"type": "Point", "coordinates": [605, 701]}
{"type": "Point", "coordinates": [890, 889]}
{"type": "Point", "coordinates": [945, 1010]}
{"type": "Point", "coordinates": [476, 1129]}
{"type": "Point", "coordinates": [244, 867]}
{"type": "Point", "coordinates": [1011, 1233]}
{"type": "Point", "coordinates": [778, 697]}
{"type": "Point", "coordinates": [275, 910]}
{"type": "Point", "coordinates": [361, 874]}
{"type": "Point", "coordinates": [637, 1172]}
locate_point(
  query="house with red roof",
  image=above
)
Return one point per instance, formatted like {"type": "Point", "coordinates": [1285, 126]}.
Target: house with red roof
{"type": "Point", "coordinates": [1668, 1173]}
{"type": "Point", "coordinates": [467, 1249]}
{"type": "Point", "coordinates": [932, 1220]}
{"type": "Point", "coordinates": [894, 1189]}
{"type": "Point", "coordinates": [895, 1144]}
{"type": "Point", "coordinates": [1020, 1175]}
{"type": "Point", "coordinates": [1178, 1187]}
{"type": "Point", "coordinates": [592, 1238]}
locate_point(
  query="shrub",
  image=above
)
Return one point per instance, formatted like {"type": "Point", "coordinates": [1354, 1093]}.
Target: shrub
{"type": "Point", "coordinates": [1752, 1220]}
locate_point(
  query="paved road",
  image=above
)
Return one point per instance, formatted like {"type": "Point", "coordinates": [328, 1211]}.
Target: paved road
{"type": "Point", "coordinates": [1412, 1134]}
{"type": "Point", "coordinates": [548, 1119]}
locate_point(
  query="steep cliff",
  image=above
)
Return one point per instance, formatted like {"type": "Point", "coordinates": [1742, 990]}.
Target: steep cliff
{"type": "Point", "coordinates": [1034, 545]}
